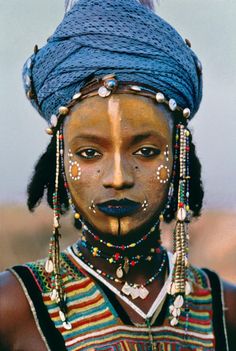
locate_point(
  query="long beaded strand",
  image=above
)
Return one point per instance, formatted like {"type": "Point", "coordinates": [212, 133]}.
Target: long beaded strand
{"type": "Point", "coordinates": [179, 286]}
{"type": "Point", "coordinates": [52, 265]}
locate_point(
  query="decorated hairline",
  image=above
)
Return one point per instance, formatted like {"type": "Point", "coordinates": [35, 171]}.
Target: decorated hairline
{"type": "Point", "coordinates": [107, 85]}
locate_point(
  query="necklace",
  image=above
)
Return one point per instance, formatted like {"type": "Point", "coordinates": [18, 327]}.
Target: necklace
{"type": "Point", "coordinates": [159, 299]}
{"type": "Point", "coordinates": [85, 230]}
{"type": "Point", "coordinates": [124, 262]}
{"type": "Point", "coordinates": [129, 289]}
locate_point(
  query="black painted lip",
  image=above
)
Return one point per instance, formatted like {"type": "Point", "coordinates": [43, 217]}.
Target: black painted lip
{"type": "Point", "coordinates": [119, 208]}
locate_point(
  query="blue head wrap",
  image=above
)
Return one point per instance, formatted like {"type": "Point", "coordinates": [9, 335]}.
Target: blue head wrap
{"type": "Point", "coordinates": [98, 37]}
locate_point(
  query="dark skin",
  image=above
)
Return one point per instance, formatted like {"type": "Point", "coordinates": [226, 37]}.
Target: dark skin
{"type": "Point", "coordinates": [121, 162]}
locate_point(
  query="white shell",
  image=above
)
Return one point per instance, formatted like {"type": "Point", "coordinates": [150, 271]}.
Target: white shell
{"type": "Point", "coordinates": [53, 295]}
{"type": "Point", "coordinates": [181, 214]}
{"type": "Point", "coordinates": [179, 301]}
{"type": "Point", "coordinates": [49, 266]}
{"type": "Point", "coordinates": [55, 223]}
{"type": "Point", "coordinates": [172, 104]}
{"type": "Point", "coordinates": [77, 96]}
{"type": "Point", "coordinates": [174, 322]}
{"type": "Point", "coordinates": [119, 272]}
{"type": "Point", "coordinates": [103, 92]}
{"type": "Point", "coordinates": [171, 289]}
{"type": "Point", "coordinates": [168, 287]}
{"type": "Point", "coordinates": [54, 120]}
{"type": "Point", "coordinates": [176, 312]}
{"type": "Point", "coordinates": [171, 308]}
{"type": "Point", "coordinates": [188, 288]}
{"type": "Point", "coordinates": [67, 325]}
{"type": "Point", "coordinates": [62, 316]}
{"type": "Point", "coordinates": [143, 292]}
{"type": "Point", "coordinates": [186, 112]}
{"type": "Point", "coordinates": [160, 97]}
{"type": "Point", "coordinates": [135, 88]}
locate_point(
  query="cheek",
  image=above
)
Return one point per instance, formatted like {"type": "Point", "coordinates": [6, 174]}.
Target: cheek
{"type": "Point", "coordinates": [74, 169]}
{"type": "Point", "coordinates": [163, 173]}
{"type": "Point", "coordinates": [82, 181]}
{"type": "Point", "coordinates": [156, 183]}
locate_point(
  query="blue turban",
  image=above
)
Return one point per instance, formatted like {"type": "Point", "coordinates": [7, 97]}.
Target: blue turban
{"type": "Point", "coordinates": [98, 37]}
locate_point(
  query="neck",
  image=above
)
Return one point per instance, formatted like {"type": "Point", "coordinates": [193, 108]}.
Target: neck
{"type": "Point", "coordinates": [134, 243]}
{"type": "Point", "coordinates": [137, 262]}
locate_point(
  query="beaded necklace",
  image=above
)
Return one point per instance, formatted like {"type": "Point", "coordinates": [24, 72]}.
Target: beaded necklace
{"type": "Point", "coordinates": [124, 262]}
{"type": "Point", "coordinates": [130, 289]}
{"type": "Point", "coordinates": [119, 247]}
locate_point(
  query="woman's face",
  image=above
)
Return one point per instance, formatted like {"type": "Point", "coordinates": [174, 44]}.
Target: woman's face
{"type": "Point", "coordinates": [118, 148]}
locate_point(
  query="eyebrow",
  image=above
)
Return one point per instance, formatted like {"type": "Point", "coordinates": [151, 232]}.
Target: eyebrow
{"type": "Point", "coordinates": [135, 139]}
{"type": "Point", "coordinates": [143, 136]}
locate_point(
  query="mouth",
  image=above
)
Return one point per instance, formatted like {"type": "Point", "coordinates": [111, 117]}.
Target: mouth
{"type": "Point", "coordinates": [119, 208]}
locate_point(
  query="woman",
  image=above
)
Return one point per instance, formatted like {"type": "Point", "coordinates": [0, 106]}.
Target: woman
{"type": "Point", "coordinates": [118, 86]}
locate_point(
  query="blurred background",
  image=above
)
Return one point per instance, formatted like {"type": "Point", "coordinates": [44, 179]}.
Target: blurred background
{"type": "Point", "coordinates": [210, 26]}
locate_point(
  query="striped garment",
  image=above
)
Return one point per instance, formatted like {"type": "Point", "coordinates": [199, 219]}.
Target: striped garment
{"type": "Point", "coordinates": [96, 324]}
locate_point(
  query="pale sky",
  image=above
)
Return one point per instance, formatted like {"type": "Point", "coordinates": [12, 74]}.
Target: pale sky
{"type": "Point", "coordinates": [210, 26]}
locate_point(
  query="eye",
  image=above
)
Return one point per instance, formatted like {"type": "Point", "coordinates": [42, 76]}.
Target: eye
{"type": "Point", "coordinates": [89, 153]}
{"type": "Point", "coordinates": [148, 152]}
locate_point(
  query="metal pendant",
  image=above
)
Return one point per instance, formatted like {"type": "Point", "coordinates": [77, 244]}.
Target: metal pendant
{"type": "Point", "coordinates": [143, 292]}
{"type": "Point", "coordinates": [126, 265]}
{"type": "Point", "coordinates": [134, 292]}
{"type": "Point", "coordinates": [126, 289]}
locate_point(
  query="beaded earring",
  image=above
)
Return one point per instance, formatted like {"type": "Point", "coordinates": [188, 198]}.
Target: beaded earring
{"type": "Point", "coordinates": [180, 286]}
{"type": "Point", "coordinates": [52, 265]}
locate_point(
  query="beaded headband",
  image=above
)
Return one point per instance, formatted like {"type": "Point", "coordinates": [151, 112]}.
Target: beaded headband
{"type": "Point", "coordinates": [105, 86]}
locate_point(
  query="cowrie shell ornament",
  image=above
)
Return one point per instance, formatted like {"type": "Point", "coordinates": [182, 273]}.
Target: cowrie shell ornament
{"type": "Point", "coordinates": [179, 301]}
{"type": "Point", "coordinates": [174, 322]}
{"type": "Point", "coordinates": [103, 92]}
{"type": "Point", "coordinates": [49, 266]}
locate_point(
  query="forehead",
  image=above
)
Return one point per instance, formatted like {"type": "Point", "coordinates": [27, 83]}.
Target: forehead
{"type": "Point", "coordinates": [128, 114]}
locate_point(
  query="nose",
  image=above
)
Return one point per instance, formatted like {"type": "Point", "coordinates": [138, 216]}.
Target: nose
{"type": "Point", "coordinates": [119, 174]}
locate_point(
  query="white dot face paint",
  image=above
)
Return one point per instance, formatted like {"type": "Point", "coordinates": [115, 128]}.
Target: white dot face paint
{"type": "Point", "coordinates": [145, 205]}
{"type": "Point", "coordinates": [167, 153]}
{"type": "Point", "coordinates": [92, 207]}
{"type": "Point", "coordinates": [163, 174]}
{"type": "Point", "coordinates": [74, 168]}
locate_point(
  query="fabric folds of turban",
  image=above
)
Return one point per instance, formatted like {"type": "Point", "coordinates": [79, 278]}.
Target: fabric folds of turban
{"type": "Point", "coordinates": [98, 37]}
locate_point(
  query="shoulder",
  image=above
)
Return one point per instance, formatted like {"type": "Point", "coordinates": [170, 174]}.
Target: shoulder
{"type": "Point", "coordinates": [14, 308]}
{"type": "Point", "coordinates": [230, 312]}
{"type": "Point", "coordinates": [12, 297]}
